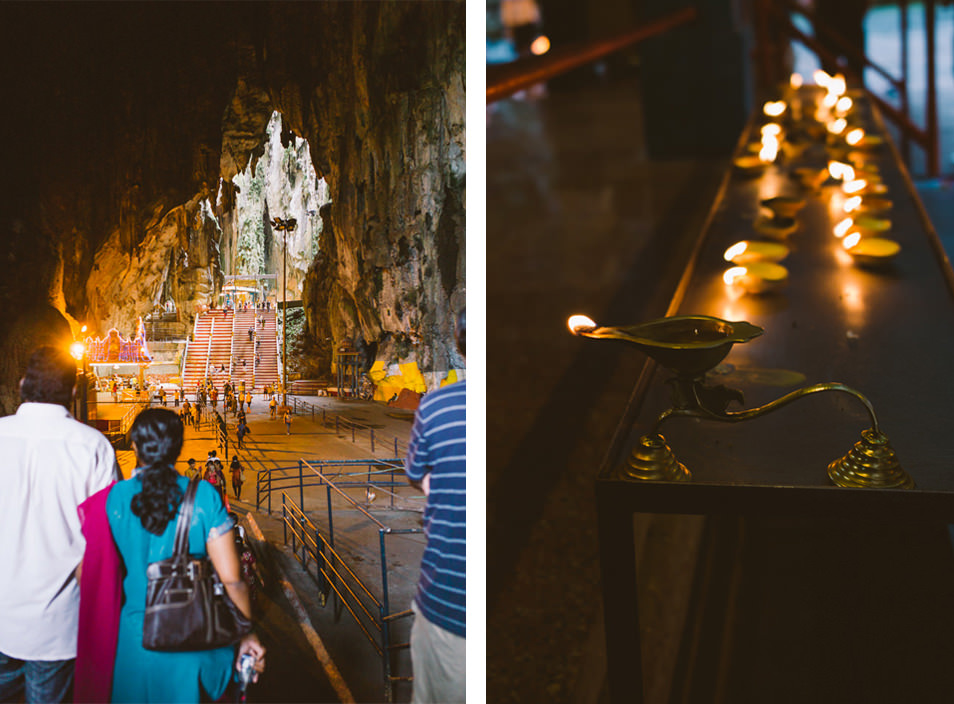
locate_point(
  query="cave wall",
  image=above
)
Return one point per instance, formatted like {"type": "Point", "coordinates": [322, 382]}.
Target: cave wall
{"type": "Point", "coordinates": [124, 117]}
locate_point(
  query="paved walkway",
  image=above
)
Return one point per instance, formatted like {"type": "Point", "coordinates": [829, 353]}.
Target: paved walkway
{"type": "Point", "coordinates": [291, 622]}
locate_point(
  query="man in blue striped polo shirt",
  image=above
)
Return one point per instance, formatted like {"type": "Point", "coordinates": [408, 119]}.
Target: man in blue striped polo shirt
{"type": "Point", "coordinates": [436, 463]}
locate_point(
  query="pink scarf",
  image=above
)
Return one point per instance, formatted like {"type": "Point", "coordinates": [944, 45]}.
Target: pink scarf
{"type": "Point", "coordinates": [101, 592]}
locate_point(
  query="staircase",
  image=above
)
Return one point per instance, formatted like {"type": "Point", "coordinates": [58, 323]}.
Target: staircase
{"type": "Point", "coordinates": [210, 349]}
{"type": "Point", "coordinates": [220, 339]}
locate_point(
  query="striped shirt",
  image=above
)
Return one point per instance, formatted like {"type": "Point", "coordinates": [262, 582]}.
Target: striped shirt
{"type": "Point", "coordinates": [438, 446]}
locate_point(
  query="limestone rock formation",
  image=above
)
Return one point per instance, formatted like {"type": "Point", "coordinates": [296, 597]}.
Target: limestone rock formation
{"type": "Point", "coordinates": [128, 122]}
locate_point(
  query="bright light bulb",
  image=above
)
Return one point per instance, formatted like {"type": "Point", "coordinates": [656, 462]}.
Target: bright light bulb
{"type": "Point", "coordinates": [854, 186]}
{"type": "Point", "coordinates": [821, 78]}
{"type": "Point", "coordinates": [843, 105]}
{"type": "Point", "coordinates": [837, 126]}
{"type": "Point", "coordinates": [771, 129]}
{"type": "Point", "coordinates": [843, 227]}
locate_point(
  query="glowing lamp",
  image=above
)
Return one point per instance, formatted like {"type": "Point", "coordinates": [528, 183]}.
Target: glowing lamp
{"type": "Point", "coordinates": [842, 228]}
{"type": "Point", "coordinates": [756, 277]}
{"type": "Point", "coordinates": [837, 126]}
{"type": "Point", "coordinates": [821, 78]}
{"type": "Point", "coordinates": [852, 204]}
{"type": "Point", "coordinates": [854, 137]}
{"type": "Point", "coordinates": [769, 150]}
{"type": "Point", "coordinates": [838, 86]}
{"type": "Point", "coordinates": [746, 252]}
{"type": "Point", "coordinates": [83, 329]}
{"type": "Point", "coordinates": [843, 105]}
{"type": "Point", "coordinates": [855, 186]}
{"type": "Point", "coordinates": [580, 323]}
{"type": "Point", "coordinates": [771, 129]}
{"type": "Point", "coordinates": [870, 250]}
{"type": "Point", "coordinates": [540, 46]}
{"type": "Point", "coordinates": [774, 108]}
{"type": "Point", "coordinates": [77, 350]}
{"type": "Point", "coordinates": [841, 171]}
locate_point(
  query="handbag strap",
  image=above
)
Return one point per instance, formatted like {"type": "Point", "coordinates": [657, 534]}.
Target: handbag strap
{"type": "Point", "coordinates": [181, 549]}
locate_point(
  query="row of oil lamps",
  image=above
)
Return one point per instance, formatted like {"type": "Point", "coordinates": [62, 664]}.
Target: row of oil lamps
{"type": "Point", "coordinates": [860, 199]}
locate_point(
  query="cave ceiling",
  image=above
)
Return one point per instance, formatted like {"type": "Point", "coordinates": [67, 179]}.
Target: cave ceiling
{"type": "Point", "coordinates": [121, 119]}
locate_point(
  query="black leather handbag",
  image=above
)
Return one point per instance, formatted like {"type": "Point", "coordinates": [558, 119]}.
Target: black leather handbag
{"type": "Point", "coordinates": [187, 607]}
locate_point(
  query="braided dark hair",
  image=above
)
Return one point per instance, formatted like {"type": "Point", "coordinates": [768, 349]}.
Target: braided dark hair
{"type": "Point", "coordinates": [157, 433]}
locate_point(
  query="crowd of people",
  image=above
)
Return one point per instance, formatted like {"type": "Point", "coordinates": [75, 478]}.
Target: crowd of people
{"type": "Point", "coordinates": [73, 622]}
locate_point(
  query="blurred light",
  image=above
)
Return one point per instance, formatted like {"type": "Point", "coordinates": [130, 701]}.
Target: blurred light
{"type": "Point", "coordinates": [843, 105]}
{"type": "Point", "coordinates": [837, 126]}
{"type": "Point", "coordinates": [851, 240]}
{"type": "Point", "coordinates": [774, 108]}
{"type": "Point", "coordinates": [734, 251]}
{"type": "Point", "coordinates": [837, 84]}
{"type": "Point", "coordinates": [734, 274]}
{"type": "Point", "coordinates": [77, 350]}
{"type": "Point", "coordinates": [769, 150]}
{"type": "Point", "coordinates": [540, 46]}
{"type": "Point", "coordinates": [821, 78]}
{"type": "Point", "coordinates": [843, 227]}
{"type": "Point", "coordinates": [830, 100]}
{"type": "Point", "coordinates": [855, 136]}
{"type": "Point", "coordinates": [771, 129]}
{"type": "Point", "coordinates": [83, 329]}
{"type": "Point", "coordinates": [852, 204]}
{"type": "Point", "coordinates": [796, 80]}
{"type": "Point", "coordinates": [854, 186]}
{"type": "Point", "coordinates": [841, 171]}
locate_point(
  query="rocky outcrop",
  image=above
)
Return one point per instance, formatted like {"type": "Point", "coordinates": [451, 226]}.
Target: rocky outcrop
{"type": "Point", "coordinates": [128, 121]}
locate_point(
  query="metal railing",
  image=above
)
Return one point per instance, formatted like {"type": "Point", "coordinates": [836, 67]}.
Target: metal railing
{"type": "Point", "coordinates": [506, 79]}
{"type": "Point", "coordinates": [343, 424]}
{"type": "Point", "coordinates": [927, 137]}
{"type": "Point", "coordinates": [278, 479]}
{"type": "Point", "coordinates": [335, 577]}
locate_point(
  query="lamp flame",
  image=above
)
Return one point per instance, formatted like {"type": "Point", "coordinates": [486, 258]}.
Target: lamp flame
{"type": "Point", "coordinates": [769, 150]}
{"type": "Point", "coordinates": [540, 46]}
{"type": "Point", "coordinates": [851, 240]}
{"type": "Point", "coordinates": [734, 251]}
{"type": "Point", "coordinates": [841, 171]}
{"type": "Point", "coordinates": [837, 126]}
{"type": "Point", "coordinates": [855, 136]}
{"type": "Point", "coordinates": [733, 274]}
{"type": "Point", "coordinates": [774, 108]}
{"type": "Point", "coordinates": [852, 204]}
{"type": "Point", "coordinates": [843, 227]}
{"type": "Point", "coordinates": [580, 323]}
{"type": "Point", "coordinates": [771, 129]}
{"type": "Point", "coordinates": [854, 186]}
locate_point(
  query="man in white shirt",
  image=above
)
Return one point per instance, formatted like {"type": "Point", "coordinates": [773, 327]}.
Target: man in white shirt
{"type": "Point", "coordinates": [51, 464]}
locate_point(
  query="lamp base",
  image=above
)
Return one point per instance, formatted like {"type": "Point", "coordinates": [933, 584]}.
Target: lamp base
{"type": "Point", "coordinates": [652, 460]}
{"type": "Point", "coordinates": [871, 463]}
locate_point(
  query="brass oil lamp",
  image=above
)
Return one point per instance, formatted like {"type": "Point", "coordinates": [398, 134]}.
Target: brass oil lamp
{"type": "Point", "coordinates": [691, 345]}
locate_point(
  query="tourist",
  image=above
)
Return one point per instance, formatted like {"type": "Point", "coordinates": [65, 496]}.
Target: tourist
{"type": "Point", "coordinates": [238, 477]}
{"type": "Point", "coordinates": [215, 397]}
{"type": "Point", "coordinates": [248, 399]}
{"type": "Point", "coordinates": [242, 431]}
{"type": "Point", "coordinates": [436, 463]}
{"type": "Point", "coordinates": [251, 333]}
{"type": "Point", "coordinates": [176, 395]}
{"type": "Point", "coordinates": [138, 512]}
{"type": "Point", "coordinates": [51, 463]}
{"type": "Point", "coordinates": [272, 407]}
{"type": "Point", "coordinates": [288, 421]}
{"type": "Point", "coordinates": [191, 469]}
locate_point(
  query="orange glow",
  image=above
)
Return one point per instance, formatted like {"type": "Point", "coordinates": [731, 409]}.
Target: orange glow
{"type": "Point", "coordinates": [769, 150]}
{"type": "Point", "coordinates": [578, 323]}
{"type": "Point", "coordinates": [837, 126]}
{"type": "Point", "coordinates": [734, 251]}
{"type": "Point", "coordinates": [77, 350]}
{"type": "Point", "coordinates": [841, 171]}
{"type": "Point", "coordinates": [855, 136]}
{"type": "Point", "coordinates": [843, 227]}
{"type": "Point", "coordinates": [852, 204]}
{"type": "Point", "coordinates": [851, 240]}
{"type": "Point", "coordinates": [774, 108]}
{"type": "Point", "coordinates": [854, 186]}
{"type": "Point", "coordinates": [830, 100]}
{"type": "Point", "coordinates": [732, 275]}
{"type": "Point", "coordinates": [796, 80]}
{"type": "Point", "coordinates": [837, 84]}
{"type": "Point", "coordinates": [821, 78]}
{"type": "Point", "coordinates": [771, 129]}
{"type": "Point", "coordinates": [540, 46]}
{"type": "Point", "coordinates": [83, 329]}
{"type": "Point", "coordinates": [843, 105]}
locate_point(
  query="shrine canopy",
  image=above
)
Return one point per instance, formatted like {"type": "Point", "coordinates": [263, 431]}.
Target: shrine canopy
{"type": "Point", "coordinates": [114, 348]}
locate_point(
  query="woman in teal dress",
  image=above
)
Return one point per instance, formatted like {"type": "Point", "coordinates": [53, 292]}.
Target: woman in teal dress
{"type": "Point", "coordinates": [142, 513]}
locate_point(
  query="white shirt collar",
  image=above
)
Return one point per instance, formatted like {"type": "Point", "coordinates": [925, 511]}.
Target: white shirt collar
{"type": "Point", "coordinates": [29, 409]}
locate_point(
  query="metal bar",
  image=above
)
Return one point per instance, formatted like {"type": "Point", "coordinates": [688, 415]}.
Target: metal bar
{"type": "Point", "coordinates": [385, 624]}
{"type": "Point", "coordinates": [933, 158]}
{"type": "Point", "coordinates": [505, 80]}
{"type": "Point", "coordinates": [301, 487]}
{"type": "Point", "coordinates": [903, 88]}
